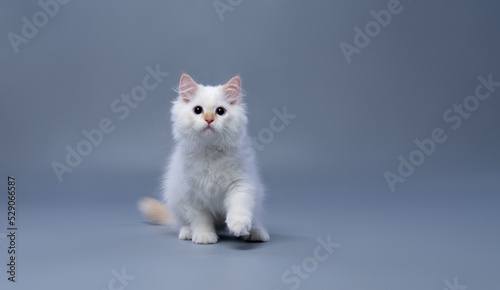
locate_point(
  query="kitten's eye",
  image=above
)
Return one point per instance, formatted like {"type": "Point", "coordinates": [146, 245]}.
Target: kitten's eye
{"type": "Point", "coordinates": [198, 110]}
{"type": "Point", "coordinates": [220, 111]}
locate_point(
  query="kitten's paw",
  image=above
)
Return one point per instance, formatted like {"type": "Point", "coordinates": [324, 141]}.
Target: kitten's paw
{"type": "Point", "coordinates": [185, 234]}
{"type": "Point", "coordinates": [257, 235]}
{"type": "Point", "coordinates": [239, 225]}
{"type": "Point", "coordinates": [205, 237]}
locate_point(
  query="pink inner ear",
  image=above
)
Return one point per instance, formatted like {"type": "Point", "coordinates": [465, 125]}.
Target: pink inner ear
{"type": "Point", "coordinates": [232, 90]}
{"type": "Point", "coordinates": [187, 87]}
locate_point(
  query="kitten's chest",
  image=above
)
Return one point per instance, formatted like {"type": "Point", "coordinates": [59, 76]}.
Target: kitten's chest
{"type": "Point", "coordinates": [212, 172]}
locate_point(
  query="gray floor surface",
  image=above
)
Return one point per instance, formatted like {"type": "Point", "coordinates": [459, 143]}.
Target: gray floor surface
{"type": "Point", "coordinates": [435, 233]}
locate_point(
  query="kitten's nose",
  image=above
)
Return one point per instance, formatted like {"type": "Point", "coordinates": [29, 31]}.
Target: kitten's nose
{"type": "Point", "coordinates": [209, 120]}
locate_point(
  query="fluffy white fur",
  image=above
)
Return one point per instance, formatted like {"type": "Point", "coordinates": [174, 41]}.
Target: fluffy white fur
{"type": "Point", "coordinates": [211, 181]}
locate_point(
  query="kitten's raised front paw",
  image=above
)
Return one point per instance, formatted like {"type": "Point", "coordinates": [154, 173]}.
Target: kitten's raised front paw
{"type": "Point", "coordinates": [205, 237]}
{"type": "Point", "coordinates": [239, 225]}
{"type": "Point", "coordinates": [257, 235]}
{"type": "Point", "coordinates": [185, 234]}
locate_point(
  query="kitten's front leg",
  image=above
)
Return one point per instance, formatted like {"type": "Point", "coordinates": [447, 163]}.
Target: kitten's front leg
{"type": "Point", "coordinates": [185, 233]}
{"type": "Point", "coordinates": [240, 203]}
{"type": "Point", "coordinates": [203, 229]}
{"type": "Point", "coordinates": [257, 233]}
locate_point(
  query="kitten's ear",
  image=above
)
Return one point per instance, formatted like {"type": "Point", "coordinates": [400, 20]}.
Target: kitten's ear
{"type": "Point", "coordinates": [187, 87]}
{"type": "Point", "coordinates": [232, 90]}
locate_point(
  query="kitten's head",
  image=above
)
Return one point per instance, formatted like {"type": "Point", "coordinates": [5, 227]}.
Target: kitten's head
{"type": "Point", "coordinates": [209, 115]}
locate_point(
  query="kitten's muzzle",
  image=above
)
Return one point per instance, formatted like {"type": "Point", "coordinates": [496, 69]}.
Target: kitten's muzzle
{"type": "Point", "coordinates": [209, 117]}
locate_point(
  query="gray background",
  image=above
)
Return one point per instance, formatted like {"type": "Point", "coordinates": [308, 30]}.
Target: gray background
{"type": "Point", "coordinates": [324, 172]}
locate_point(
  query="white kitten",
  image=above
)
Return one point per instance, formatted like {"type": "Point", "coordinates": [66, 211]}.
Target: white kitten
{"type": "Point", "coordinates": [211, 180]}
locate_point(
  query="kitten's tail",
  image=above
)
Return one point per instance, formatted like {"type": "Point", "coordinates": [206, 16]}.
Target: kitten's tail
{"type": "Point", "coordinates": [156, 211]}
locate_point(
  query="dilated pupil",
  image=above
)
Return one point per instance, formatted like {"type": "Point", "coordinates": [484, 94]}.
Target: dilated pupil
{"type": "Point", "coordinates": [220, 111]}
{"type": "Point", "coordinates": [198, 110]}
